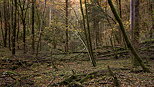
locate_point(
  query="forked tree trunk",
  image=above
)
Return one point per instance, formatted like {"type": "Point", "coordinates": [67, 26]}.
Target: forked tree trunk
{"type": "Point", "coordinates": [23, 19]}
{"type": "Point", "coordinates": [87, 33]}
{"type": "Point", "coordinates": [89, 36]}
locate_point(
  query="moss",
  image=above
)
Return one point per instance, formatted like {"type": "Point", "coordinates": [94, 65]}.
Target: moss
{"type": "Point", "coordinates": [148, 41]}
{"type": "Point", "coordinates": [10, 73]}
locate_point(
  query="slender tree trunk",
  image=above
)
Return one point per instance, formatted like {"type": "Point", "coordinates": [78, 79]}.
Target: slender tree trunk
{"type": "Point", "coordinates": [129, 44]}
{"type": "Point", "coordinates": [120, 10]}
{"type": "Point", "coordinates": [120, 33]}
{"type": "Point", "coordinates": [119, 37]}
{"type": "Point", "coordinates": [12, 19]}
{"type": "Point", "coordinates": [87, 32]}
{"type": "Point", "coordinates": [9, 25]}
{"type": "Point", "coordinates": [50, 12]}
{"type": "Point", "coordinates": [132, 18]}
{"type": "Point", "coordinates": [96, 28]}
{"type": "Point", "coordinates": [23, 7]}
{"type": "Point", "coordinates": [24, 35]}
{"type": "Point", "coordinates": [89, 36]}
{"type": "Point", "coordinates": [136, 24]}
{"type": "Point", "coordinates": [95, 23]}
{"type": "Point", "coordinates": [33, 31]}
{"type": "Point", "coordinates": [42, 24]}
{"type": "Point", "coordinates": [152, 18]}
{"type": "Point", "coordinates": [14, 29]}
{"type": "Point", "coordinates": [132, 22]}
{"type": "Point", "coordinates": [5, 24]}
{"type": "Point", "coordinates": [1, 23]}
{"type": "Point", "coordinates": [66, 41]}
{"type": "Point", "coordinates": [18, 30]}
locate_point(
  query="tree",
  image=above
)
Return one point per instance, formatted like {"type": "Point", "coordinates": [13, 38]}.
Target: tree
{"type": "Point", "coordinates": [136, 29]}
{"type": "Point", "coordinates": [152, 17]}
{"type": "Point", "coordinates": [14, 28]}
{"type": "Point", "coordinates": [41, 27]}
{"type": "Point", "coordinates": [129, 44]}
{"type": "Point", "coordinates": [33, 31]}
{"type": "Point", "coordinates": [5, 23]}
{"type": "Point", "coordinates": [23, 5]}
{"type": "Point", "coordinates": [120, 10]}
{"type": "Point", "coordinates": [1, 23]}
{"type": "Point", "coordinates": [120, 14]}
{"type": "Point", "coordinates": [66, 41]}
{"type": "Point", "coordinates": [9, 24]}
{"type": "Point", "coordinates": [87, 32]}
{"type": "Point", "coordinates": [134, 16]}
{"type": "Point", "coordinates": [95, 16]}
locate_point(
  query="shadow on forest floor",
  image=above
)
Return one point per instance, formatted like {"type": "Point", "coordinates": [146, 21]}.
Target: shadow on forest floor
{"type": "Point", "coordinates": [27, 71]}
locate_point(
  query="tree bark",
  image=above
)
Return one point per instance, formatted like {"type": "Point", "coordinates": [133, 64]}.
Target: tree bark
{"type": "Point", "coordinates": [87, 33]}
{"type": "Point", "coordinates": [66, 41]}
{"type": "Point", "coordinates": [33, 31]}
{"type": "Point", "coordinates": [152, 18]}
{"type": "Point", "coordinates": [120, 10]}
{"type": "Point", "coordinates": [136, 24]}
{"type": "Point", "coordinates": [14, 29]}
{"type": "Point", "coordinates": [23, 9]}
{"type": "Point", "coordinates": [5, 24]}
{"type": "Point", "coordinates": [89, 36]}
{"type": "Point", "coordinates": [132, 18]}
{"type": "Point", "coordinates": [1, 23]}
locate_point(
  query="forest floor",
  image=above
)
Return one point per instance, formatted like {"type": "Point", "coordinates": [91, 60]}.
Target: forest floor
{"type": "Point", "coordinates": [29, 71]}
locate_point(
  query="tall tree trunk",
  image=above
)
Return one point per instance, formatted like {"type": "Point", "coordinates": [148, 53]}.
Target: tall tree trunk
{"type": "Point", "coordinates": [9, 25]}
{"type": "Point", "coordinates": [66, 41]}
{"type": "Point", "coordinates": [5, 24]}
{"type": "Point", "coordinates": [87, 33]}
{"type": "Point", "coordinates": [96, 28]}
{"type": "Point", "coordinates": [120, 10]}
{"type": "Point", "coordinates": [14, 29]}
{"type": "Point", "coordinates": [119, 38]}
{"type": "Point", "coordinates": [23, 19]}
{"type": "Point", "coordinates": [152, 18]}
{"type": "Point", "coordinates": [120, 33]}
{"type": "Point", "coordinates": [24, 35]}
{"type": "Point", "coordinates": [33, 32]}
{"type": "Point", "coordinates": [134, 16]}
{"type": "Point", "coordinates": [96, 22]}
{"type": "Point", "coordinates": [1, 23]}
{"type": "Point", "coordinates": [136, 24]}
{"type": "Point", "coordinates": [129, 44]}
{"type": "Point", "coordinates": [41, 26]}
{"type": "Point", "coordinates": [18, 30]}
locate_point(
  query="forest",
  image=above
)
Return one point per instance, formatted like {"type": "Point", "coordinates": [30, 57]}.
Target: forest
{"type": "Point", "coordinates": [76, 43]}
